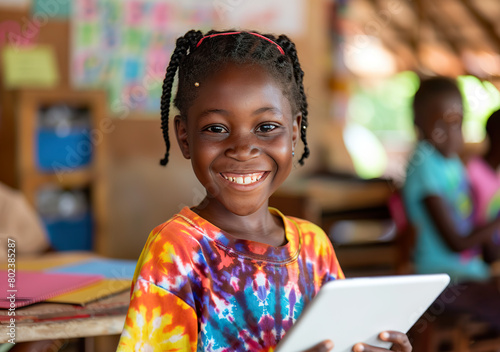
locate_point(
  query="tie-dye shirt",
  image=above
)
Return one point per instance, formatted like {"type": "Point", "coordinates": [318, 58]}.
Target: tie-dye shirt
{"type": "Point", "coordinates": [198, 289]}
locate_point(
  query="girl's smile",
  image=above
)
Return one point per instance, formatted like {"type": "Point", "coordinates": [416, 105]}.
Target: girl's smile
{"type": "Point", "coordinates": [244, 178]}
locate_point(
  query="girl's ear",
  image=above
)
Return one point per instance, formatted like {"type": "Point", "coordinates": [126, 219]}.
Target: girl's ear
{"type": "Point", "coordinates": [297, 120]}
{"type": "Point", "coordinates": [182, 135]}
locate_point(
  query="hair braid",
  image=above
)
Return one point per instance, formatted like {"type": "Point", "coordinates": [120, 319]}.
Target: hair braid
{"type": "Point", "coordinates": [290, 50]}
{"type": "Point", "coordinates": [182, 45]}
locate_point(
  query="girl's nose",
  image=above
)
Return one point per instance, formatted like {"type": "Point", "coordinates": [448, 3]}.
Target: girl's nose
{"type": "Point", "coordinates": [242, 148]}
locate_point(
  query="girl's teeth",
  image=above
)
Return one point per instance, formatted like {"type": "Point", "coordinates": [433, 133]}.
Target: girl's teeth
{"type": "Point", "coordinates": [244, 180]}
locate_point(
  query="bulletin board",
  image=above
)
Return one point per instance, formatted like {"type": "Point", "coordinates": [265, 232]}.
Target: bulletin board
{"type": "Point", "coordinates": [124, 46]}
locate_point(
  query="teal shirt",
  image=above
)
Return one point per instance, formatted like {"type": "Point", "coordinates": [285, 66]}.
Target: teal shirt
{"type": "Point", "coordinates": [430, 173]}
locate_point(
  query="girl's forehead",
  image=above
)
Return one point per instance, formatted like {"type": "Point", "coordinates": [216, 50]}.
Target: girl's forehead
{"type": "Point", "coordinates": [236, 83]}
{"type": "Point", "coordinates": [241, 71]}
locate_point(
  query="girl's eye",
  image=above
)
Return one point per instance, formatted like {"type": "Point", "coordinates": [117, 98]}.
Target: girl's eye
{"type": "Point", "coordinates": [216, 129]}
{"type": "Point", "coordinates": [266, 128]}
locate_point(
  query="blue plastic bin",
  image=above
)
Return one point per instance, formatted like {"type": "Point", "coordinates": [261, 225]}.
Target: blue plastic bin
{"type": "Point", "coordinates": [68, 234]}
{"type": "Point", "coordinates": [54, 152]}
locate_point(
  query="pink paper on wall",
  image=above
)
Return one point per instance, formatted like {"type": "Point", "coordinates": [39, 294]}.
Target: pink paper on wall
{"type": "Point", "coordinates": [160, 16]}
{"type": "Point", "coordinates": [133, 13]}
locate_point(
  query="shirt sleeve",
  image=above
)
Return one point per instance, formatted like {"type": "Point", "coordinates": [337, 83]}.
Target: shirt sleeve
{"type": "Point", "coordinates": [336, 272]}
{"type": "Point", "coordinates": [158, 320]}
{"type": "Point", "coordinates": [426, 178]}
{"type": "Point", "coordinates": [340, 273]}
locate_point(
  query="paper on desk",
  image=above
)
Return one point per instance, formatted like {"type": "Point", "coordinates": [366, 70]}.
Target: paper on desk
{"type": "Point", "coordinates": [27, 67]}
{"type": "Point", "coordinates": [27, 287]}
{"type": "Point", "coordinates": [93, 292]}
{"type": "Point", "coordinates": [49, 260]}
{"type": "Point", "coordinates": [109, 268]}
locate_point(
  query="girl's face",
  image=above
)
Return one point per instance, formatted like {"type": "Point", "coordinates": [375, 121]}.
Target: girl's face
{"type": "Point", "coordinates": [239, 134]}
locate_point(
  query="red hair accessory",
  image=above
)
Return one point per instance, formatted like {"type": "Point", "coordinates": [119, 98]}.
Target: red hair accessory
{"type": "Point", "coordinates": [231, 33]}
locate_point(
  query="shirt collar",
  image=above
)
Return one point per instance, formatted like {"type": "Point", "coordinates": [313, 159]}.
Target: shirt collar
{"type": "Point", "coordinates": [250, 249]}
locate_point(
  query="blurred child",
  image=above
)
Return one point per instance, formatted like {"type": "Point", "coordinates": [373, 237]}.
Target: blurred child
{"type": "Point", "coordinates": [484, 176]}
{"type": "Point", "coordinates": [231, 274]}
{"type": "Point", "coordinates": [19, 222]}
{"type": "Point", "coordinates": [436, 190]}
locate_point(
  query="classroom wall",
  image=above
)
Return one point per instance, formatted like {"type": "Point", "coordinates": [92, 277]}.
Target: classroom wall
{"type": "Point", "coordinates": [142, 194]}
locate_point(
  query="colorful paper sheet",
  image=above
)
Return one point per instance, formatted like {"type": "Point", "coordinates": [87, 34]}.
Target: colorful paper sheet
{"type": "Point", "coordinates": [29, 67]}
{"type": "Point", "coordinates": [93, 292]}
{"type": "Point", "coordinates": [109, 268]}
{"type": "Point", "coordinates": [50, 260]}
{"type": "Point", "coordinates": [52, 9]}
{"type": "Point", "coordinates": [26, 287]}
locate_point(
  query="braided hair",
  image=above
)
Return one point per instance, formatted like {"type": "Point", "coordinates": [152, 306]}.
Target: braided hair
{"type": "Point", "coordinates": [196, 63]}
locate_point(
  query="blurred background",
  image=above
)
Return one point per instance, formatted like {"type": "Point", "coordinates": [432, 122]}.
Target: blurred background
{"type": "Point", "coordinates": [81, 84]}
{"type": "Point", "coordinates": [80, 136]}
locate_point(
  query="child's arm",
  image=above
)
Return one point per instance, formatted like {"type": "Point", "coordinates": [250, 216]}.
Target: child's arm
{"type": "Point", "coordinates": [491, 251]}
{"type": "Point", "coordinates": [445, 225]}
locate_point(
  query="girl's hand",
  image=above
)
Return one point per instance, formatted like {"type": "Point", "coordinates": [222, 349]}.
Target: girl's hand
{"type": "Point", "coordinates": [324, 346]}
{"type": "Point", "coordinates": [400, 343]}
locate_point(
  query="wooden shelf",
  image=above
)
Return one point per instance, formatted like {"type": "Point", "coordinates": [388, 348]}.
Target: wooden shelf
{"type": "Point", "coordinates": [66, 179]}
{"type": "Point", "coordinates": [31, 179]}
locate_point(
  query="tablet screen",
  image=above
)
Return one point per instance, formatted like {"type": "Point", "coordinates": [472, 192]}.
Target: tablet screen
{"type": "Point", "coordinates": [359, 309]}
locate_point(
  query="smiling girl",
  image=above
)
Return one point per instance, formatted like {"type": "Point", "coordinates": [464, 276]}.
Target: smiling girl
{"type": "Point", "coordinates": [232, 274]}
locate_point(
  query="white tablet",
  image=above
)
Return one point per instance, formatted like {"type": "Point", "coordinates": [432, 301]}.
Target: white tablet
{"type": "Point", "coordinates": [358, 310]}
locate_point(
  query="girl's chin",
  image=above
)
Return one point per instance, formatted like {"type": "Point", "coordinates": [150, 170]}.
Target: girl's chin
{"type": "Point", "coordinates": [242, 208]}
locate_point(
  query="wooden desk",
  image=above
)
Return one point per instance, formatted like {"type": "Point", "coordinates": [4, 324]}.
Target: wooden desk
{"type": "Point", "coordinates": [44, 321]}
{"type": "Point", "coordinates": [98, 323]}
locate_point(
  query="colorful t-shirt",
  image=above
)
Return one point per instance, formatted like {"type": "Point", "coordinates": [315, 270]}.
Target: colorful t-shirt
{"type": "Point", "coordinates": [199, 289]}
{"type": "Point", "coordinates": [485, 186]}
{"type": "Point", "coordinates": [429, 173]}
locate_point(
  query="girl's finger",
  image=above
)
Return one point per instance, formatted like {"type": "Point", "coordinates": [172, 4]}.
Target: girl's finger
{"type": "Point", "coordinates": [361, 347]}
{"type": "Point", "coordinates": [324, 346]}
{"type": "Point", "coordinates": [394, 336]}
{"type": "Point", "coordinates": [400, 343]}
{"type": "Point", "coordinates": [400, 340]}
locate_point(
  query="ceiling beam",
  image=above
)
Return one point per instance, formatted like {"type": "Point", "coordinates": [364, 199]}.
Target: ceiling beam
{"type": "Point", "coordinates": [450, 37]}
{"type": "Point", "coordinates": [442, 31]}
{"type": "Point", "coordinates": [402, 32]}
{"type": "Point", "coordinates": [487, 26]}
{"type": "Point", "coordinates": [406, 38]}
